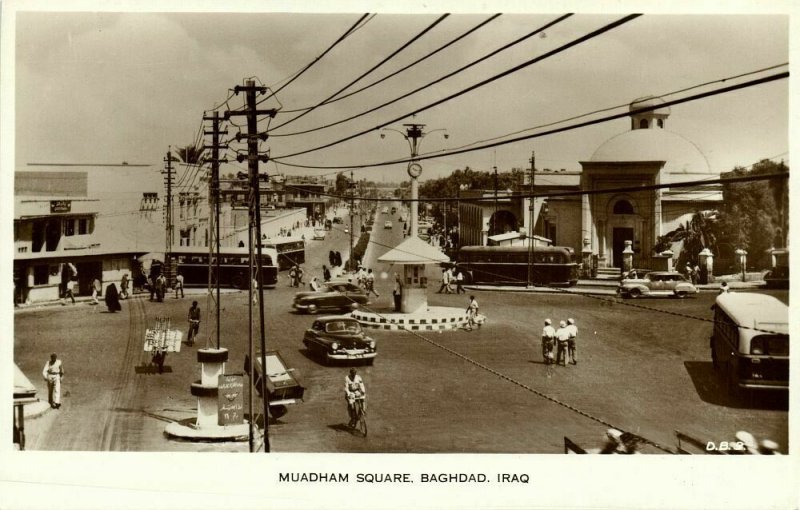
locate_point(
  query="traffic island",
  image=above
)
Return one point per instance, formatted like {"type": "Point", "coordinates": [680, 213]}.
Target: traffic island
{"type": "Point", "coordinates": [434, 318]}
{"type": "Point", "coordinates": [219, 403]}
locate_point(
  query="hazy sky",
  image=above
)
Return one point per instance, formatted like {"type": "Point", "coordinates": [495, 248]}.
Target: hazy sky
{"type": "Point", "coordinates": [110, 87]}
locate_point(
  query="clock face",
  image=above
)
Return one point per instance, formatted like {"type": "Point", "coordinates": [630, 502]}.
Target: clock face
{"type": "Point", "coordinates": [414, 169]}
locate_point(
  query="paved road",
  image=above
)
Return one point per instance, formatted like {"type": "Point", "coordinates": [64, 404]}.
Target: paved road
{"type": "Point", "coordinates": [643, 368]}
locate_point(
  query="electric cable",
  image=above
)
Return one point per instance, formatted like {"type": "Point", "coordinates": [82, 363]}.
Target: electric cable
{"type": "Point", "coordinates": [408, 66]}
{"type": "Point", "coordinates": [695, 97]}
{"type": "Point", "coordinates": [376, 66]}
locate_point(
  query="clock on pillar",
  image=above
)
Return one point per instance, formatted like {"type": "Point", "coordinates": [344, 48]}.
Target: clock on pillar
{"type": "Point", "coordinates": [414, 170]}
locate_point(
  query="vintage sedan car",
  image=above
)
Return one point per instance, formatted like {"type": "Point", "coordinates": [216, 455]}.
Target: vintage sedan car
{"type": "Point", "coordinates": [334, 295]}
{"type": "Point", "coordinates": [339, 338]}
{"type": "Point", "coordinates": [387, 224]}
{"type": "Point", "coordinates": [657, 283]}
{"type": "Point", "coordinates": [319, 234]}
{"type": "Point", "coordinates": [777, 278]}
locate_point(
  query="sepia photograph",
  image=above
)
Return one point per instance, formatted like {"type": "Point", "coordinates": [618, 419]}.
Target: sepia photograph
{"type": "Point", "coordinates": [409, 252]}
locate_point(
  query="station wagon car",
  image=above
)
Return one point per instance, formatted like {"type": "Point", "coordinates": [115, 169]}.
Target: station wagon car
{"type": "Point", "coordinates": [339, 338]}
{"type": "Point", "coordinates": [387, 224]}
{"type": "Point", "coordinates": [333, 295]}
{"type": "Point", "coordinates": [657, 283]}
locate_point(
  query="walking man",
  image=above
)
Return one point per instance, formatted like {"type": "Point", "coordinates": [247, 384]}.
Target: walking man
{"type": "Point", "coordinates": [53, 372]}
{"type": "Point", "coordinates": [573, 335]}
{"type": "Point", "coordinates": [562, 336]}
{"type": "Point", "coordinates": [548, 340]}
{"type": "Point", "coordinates": [178, 285]}
{"type": "Point", "coordinates": [460, 282]}
{"type": "Point", "coordinates": [68, 292]}
{"type": "Point", "coordinates": [445, 282]}
{"type": "Point", "coordinates": [371, 284]}
{"type": "Point", "coordinates": [96, 288]}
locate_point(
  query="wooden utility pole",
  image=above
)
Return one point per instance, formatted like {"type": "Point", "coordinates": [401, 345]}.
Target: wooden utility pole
{"type": "Point", "coordinates": [532, 212]}
{"type": "Point", "coordinates": [352, 187]}
{"type": "Point", "coordinates": [168, 175]}
{"type": "Point", "coordinates": [254, 237]}
{"type": "Point", "coordinates": [212, 304]}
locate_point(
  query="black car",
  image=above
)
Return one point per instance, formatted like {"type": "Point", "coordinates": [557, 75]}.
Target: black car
{"type": "Point", "coordinates": [332, 295]}
{"type": "Point", "coordinates": [339, 338]}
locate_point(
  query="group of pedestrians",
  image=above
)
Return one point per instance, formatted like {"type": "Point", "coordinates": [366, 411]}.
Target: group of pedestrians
{"type": "Point", "coordinates": [561, 340]}
{"type": "Point", "coordinates": [296, 276]}
{"type": "Point", "coordinates": [366, 278]}
{"type": "Point", "coordinates": [449, 277]}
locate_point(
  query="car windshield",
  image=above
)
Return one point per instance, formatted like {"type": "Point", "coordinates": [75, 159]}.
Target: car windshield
{"type": "Point", "coordinates": [343, 327]}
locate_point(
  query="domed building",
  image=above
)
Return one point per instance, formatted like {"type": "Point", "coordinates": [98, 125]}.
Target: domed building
{"type": "Point", "coordinates": [646, 155]}
{"type": "Point", "coordinates": [598, 224]}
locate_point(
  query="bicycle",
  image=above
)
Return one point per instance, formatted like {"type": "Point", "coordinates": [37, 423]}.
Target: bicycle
{"type": "Point", "coordinates": [360, 418]}
{"type": "Point", "coordinates": [194, 326]}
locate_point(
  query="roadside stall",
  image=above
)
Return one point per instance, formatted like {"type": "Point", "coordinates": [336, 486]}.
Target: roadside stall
{"type": "Point", "coordinates": [24, 394]}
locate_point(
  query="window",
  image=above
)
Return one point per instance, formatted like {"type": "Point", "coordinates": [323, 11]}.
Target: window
{"type": "Point", "coordinates": [623, 207]}
{"type": "Point", "coordinates": [83, 226]}
{"type": "Point", "coordinates": [69, 227]}
{"type": "Point", "coordinates": [41, 275]}
{"type": "Point", "coordinates": [661, 123]}
{"type": "Point", "coordinates": [643, 124]}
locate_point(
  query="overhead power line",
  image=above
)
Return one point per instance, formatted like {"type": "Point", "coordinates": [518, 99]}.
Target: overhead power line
{"type": "Point", "coordinates": [408, 66]}
{"type": "Point", "coordinates": [571, 127]}
{"type": "Point", "coordinates": [376, 66]}
{"type": "Point", "coordinates": [514, 69]}
{"type": "Point", "coordinates": [308, 66]}
{"type": "Point", "coordinates": [438, 80]}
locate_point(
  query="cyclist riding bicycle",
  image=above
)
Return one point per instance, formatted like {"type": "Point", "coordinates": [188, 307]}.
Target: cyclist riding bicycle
{"type": "Point", "coordinates": [354, 391]}
{"type": "Point", "coordinates": [194, 322]}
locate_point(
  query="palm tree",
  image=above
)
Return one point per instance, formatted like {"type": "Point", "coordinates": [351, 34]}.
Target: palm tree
{"type": "Point", "coordinates": [696, 234]}
{"type": "Point", "coordinates": [192, 154]}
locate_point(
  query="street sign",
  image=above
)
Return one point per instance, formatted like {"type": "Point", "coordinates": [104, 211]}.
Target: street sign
{"type": "Point", "coordinates": [230, 401]}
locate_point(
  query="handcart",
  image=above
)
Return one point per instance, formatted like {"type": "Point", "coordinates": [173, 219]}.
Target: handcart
{"type": "Point", "coordinates": [160, 340]}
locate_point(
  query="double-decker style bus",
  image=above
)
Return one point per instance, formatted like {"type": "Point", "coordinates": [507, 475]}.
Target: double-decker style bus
{"type": "Point", "coordinates": [508, 265]}
{"type": "Point", "coordinates": [234, 267]}
{"type": "Point", "coordinates": [750, 342]}
{"type": "Point", "coordinates": [291, 250]}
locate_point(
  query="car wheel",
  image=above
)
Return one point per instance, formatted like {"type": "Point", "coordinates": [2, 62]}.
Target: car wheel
{"type": "Point", "coordinates": [681, 294]}
{"type": "Point", "coordinates": [634, 293]}
{"type": "Point", "coordinates": [312, 309]}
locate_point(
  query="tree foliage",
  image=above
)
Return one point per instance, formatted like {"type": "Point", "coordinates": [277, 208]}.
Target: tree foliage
{"type": "Point", "coordinates": [699, 232]}
{"type": "Point", "coordinates": [192, 155]}
{"type": "Point", "coordinates": [754, 213]}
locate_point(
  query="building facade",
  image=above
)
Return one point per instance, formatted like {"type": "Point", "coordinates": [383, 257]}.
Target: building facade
{"type": "Point", "coordinates": [600, 222]}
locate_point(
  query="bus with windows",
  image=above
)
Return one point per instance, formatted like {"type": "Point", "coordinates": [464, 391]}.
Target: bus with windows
{"type": "Point", "coordinates": [508, 265]}
{"type": "Point", "coordinates": [750, 341]}
{"type": "Point", "coordinates": [291, 250]}
{"type": "Point", "coordinates": [234, 267]}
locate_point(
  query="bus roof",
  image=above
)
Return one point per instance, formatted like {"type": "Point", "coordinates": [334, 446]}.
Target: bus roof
{"type": "Point", "coordinates": [223, 250]}
{"type": "Point", "coordinates": [537, 249]}
{"type": "Point", "coordinates": [751, 310]}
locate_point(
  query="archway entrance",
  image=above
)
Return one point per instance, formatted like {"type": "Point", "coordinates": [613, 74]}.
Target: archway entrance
{"type": "Point", "coordinates": [619, 236]}
{"type": "Point", "coordinates": [502, 222]}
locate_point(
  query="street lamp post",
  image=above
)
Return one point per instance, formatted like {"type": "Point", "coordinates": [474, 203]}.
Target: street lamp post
{"type": "Point", "coordinates": [413, 135]}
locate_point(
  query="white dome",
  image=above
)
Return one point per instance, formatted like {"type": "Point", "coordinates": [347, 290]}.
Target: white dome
{"type": "Point", "coordinates": [681, 156]}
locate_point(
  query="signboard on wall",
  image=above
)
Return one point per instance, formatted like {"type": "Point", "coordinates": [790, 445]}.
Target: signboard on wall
{"type": "Point", "coordinates": [230, 403]}
{"type": "Point", "coordinates": [60, 206]}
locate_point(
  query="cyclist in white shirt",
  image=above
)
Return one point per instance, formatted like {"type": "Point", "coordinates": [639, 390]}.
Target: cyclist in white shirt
{"type": "Point", "coordinates": [353, 390]}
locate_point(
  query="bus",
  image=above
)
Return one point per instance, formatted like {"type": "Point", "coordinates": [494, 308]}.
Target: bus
{"type": "Point", "coordinates": [291, 250]}
{"type": "Point", "coordinates": [750, 342]}
{"type": "Point", "coordinates": [508, 265]}
{"type": "Point", "coordinates": [234, 269]}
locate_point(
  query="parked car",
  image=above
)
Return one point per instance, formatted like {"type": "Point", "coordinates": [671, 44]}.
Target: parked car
{"type": "Point", "coordinates": [387, 224]}
{"type": "Point", "coordinates": [336, 295]}
{"type": "Point", "coordinates": [338, 219]}
{"type": "Point", "coordinates": [319, 234]}
{"type": "Point", "coordinates": [777, 277]}
{"type": "Point", "coordinates": [339, 338]}
{"type": "Point", "coordinates": [657, 283]}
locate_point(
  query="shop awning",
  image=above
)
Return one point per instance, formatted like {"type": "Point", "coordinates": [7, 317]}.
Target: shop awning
{"type": "Point", "coordinates": [24, 390]}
